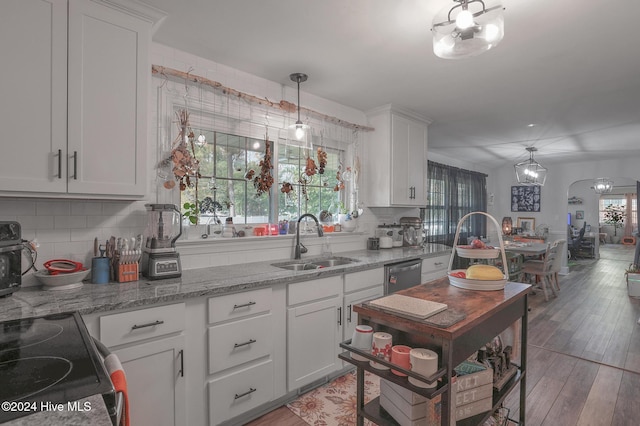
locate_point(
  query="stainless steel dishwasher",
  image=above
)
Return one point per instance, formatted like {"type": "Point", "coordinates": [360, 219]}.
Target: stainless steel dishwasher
{"type": "Point", "coordinates": [400, 276]}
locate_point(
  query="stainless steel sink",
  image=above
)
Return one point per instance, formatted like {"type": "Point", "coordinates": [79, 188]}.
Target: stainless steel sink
{"type": "Point", "coordinates": [326, 262]}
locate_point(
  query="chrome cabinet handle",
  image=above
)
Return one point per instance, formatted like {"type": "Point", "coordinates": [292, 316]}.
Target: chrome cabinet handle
{"type": "Point", "coordinates": [349, 313]}
{"type": "Point", "coordinates": [238, 345]}
{"type": "Point", "coordinates": [151, 324]}
{"type": "Point", "coordinates": [244, 305]}
{"type": "Point", "coordinates": [59, 164]}
{"type": "Point", "coordinates": [75, 165]}
{"type": "Point", "coordinates": [251, 390]}
{"type": "Point", "coordinates": [181, 353]}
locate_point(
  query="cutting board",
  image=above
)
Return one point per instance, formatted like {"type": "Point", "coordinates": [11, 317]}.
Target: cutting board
{"type": "Point", "coordinates": [411, 306]}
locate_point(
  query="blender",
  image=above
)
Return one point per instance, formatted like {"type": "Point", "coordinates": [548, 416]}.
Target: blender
{"type": "Point", "coordinates": [159, 256]}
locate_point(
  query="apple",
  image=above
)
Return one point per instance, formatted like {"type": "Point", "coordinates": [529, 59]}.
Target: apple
{"type": "Point", "coordinates": [477, 244]}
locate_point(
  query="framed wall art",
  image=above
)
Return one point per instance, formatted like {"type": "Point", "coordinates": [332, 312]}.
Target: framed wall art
{"type": "Point", "coordinates": [579, 214]}
{"type": "Point", "coordinates": [525, 198]}
{"type": "Point", "coordinates": [527, 224]}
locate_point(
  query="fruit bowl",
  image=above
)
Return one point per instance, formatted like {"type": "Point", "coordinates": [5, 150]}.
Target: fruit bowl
{"type": "Point", "coordinates": [469, 284]}
{"type": "Point", "coordinates": [61, 281]}
{"type": "Point", "coordinates": [477, 253]}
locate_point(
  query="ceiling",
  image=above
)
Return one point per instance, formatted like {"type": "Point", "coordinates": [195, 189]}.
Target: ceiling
{"type": "Point", "coordinates": [570, 67]}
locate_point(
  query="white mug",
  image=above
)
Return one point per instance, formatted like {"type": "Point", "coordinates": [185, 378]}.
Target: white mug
{"type": "Point", "coordinates": [424, 362]}
{"type": "Point", "coordinates": [381, 348]}
{"type": "Point", "coordinates": [362, 339]}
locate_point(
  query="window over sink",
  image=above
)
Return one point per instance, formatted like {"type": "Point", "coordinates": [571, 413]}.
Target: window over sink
{"type": "Point", "coordinates": [228, 165]}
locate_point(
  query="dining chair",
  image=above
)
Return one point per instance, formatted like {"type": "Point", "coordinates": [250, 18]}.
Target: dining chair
{"type": "Point", "coordinates": [541, 270]}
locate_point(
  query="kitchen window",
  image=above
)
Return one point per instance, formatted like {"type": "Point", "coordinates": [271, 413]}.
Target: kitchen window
{"type": "Point", "coordinates": [453, 193]}
{"type": "Point", "coordinates": [623, 201]}
{"type": "Point", "coordinates": [225, 160]}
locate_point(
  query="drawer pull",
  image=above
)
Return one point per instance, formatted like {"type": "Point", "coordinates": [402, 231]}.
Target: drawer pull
{"type": "Point", "coordinates": [181, 372]}
{"type": "Point", "coordinates": [438, 263]}
{"type": "Point", "coordinates": [244, 305]}
{"type": "Point", "coordinates": [250, 391]}
{"type": "Point", "coordinates": [238, 345]}
{"type": "Point", "coordinates": [151, 324]}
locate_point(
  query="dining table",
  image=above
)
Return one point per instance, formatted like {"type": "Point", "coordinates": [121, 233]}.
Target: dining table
{"type": "Point", "coordinates": [527, 249]}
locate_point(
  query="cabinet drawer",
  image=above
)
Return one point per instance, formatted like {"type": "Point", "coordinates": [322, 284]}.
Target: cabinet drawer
{"type": "Point", "coordinates": [430, 276]}
{"type": "Point", "coordinates": [128, 327]}
{"type": "Point", "coordinates": [240, 341]}
{"type": "Point", "coordinates": [239, 305]}
{"type": "Point", "coordinates": [435, 263]}
{"type": "Point", "coordinates": [314, 290]}
{"type": "Point", "coordinates": [237, 393]}
{"type": "Point", "coordinates": [363, 279]}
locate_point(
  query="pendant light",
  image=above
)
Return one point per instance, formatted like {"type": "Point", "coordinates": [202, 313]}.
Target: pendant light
{"type": "Point", "coordinates": [467, 29]}
{"type": "Point", "coordinates": [507, 225]}
{"type": "Point", "coordinates": [603, 185]}
{"type": "Point", "coordinates": [299, 133]}
{"type": "Point", "coordinates": [530, 172]}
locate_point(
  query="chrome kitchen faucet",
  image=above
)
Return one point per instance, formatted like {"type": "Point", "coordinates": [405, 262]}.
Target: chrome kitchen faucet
{"type": "Point", "coordinates": [300, 248]}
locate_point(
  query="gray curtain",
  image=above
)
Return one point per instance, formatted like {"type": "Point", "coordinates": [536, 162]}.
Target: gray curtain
{"type": "Point", "coordinates": [454, 192]}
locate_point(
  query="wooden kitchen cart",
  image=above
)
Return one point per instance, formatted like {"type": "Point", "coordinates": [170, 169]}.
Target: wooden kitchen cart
{"type": "Point", "coordinates": [486, 314]}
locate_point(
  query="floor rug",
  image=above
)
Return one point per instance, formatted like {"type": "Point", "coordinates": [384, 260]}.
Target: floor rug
{"type": "Point", "coordinates": [334, 404]}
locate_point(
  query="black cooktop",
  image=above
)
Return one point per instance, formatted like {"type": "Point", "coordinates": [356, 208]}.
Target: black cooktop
{"type": "Point", "coordinates": [49, 359]}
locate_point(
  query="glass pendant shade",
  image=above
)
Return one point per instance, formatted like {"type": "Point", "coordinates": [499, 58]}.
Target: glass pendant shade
{"type": "Point", "coordinates": [603, 185]}
{"type": "Point", "coordinates": [530, 172]}
{"type": "Point", "coordinates": [467, 29]}
{"type": "Point", "coordinates": [507, 225]}
{"type": "Point", "coordinates": [299, 133]}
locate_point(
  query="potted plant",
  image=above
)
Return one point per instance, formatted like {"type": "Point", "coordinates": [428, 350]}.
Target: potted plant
{"type": "Point", "coordinates": [614, 215]}
{"type": "Point", "coordinates": [632, 276]}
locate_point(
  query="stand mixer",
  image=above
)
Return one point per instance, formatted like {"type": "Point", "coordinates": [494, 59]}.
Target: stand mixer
{"type": "Point", "coordinates": [159, 256]}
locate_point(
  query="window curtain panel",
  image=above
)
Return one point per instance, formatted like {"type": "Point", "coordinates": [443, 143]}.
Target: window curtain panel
{"type": "Point", "coordinates": [453, 193]}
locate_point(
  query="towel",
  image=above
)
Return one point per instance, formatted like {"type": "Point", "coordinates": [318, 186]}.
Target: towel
{"type": "Point", "coordinates": [119, 380]}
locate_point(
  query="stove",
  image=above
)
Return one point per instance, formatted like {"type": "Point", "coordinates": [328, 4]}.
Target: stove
{"type": "Point", "coordinates": [50, 359]}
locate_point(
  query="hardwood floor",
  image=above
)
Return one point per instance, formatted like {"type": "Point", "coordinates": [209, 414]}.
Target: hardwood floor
{"type": "Point", "coordinates": [583, 352]}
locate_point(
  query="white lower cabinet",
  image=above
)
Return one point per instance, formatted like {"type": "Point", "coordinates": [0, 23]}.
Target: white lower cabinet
{"type": "Point", "coordinates": [245, 335]}
{"type": "Point", "coordinates": [314, 330]}
{"type": "Point", "coordinates": [155, 381]}
{"type": "Point", "coordinates": [434, 268]}
{"type": "Point", "coordinates": [360, 287]}
{"type": "Point", "coordinates": [150, 344]}
{"type": "Point", "coordinates": [240, 391]}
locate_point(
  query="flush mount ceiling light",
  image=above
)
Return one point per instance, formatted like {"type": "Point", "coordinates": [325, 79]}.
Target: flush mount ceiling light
{"type": "Point", "coordinates": [602, 185]}
{"type": "Point", "coordinates": [531, 172]}
{"type": "Point", "coordinates": [467, 29]}
{"type": "Point", "coordinates": [299, 132]}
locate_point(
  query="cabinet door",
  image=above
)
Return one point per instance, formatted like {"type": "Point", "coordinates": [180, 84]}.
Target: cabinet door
{"type": "Point", "coordinates": [155, 382]}
{"type": "Point", "coordinates": [108, 78]}
{"type": "Point", "coordinates": [33, 95]}
{"type": "Point", "coordinates": [350, 317]}
{"type": "Point", "coordinates": [408, 161]}
{"type": "Point", "coordinates": [313, 332]}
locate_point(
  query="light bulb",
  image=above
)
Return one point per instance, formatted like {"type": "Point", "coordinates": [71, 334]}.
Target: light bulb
{"type": "Point", "coordinates": [464, 20]}
{"type": "Point", "coordinates": [299, 132]}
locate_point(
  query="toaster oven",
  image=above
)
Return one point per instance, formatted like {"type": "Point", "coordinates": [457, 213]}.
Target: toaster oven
{"type": "Point", "coordinates": [10, 257]}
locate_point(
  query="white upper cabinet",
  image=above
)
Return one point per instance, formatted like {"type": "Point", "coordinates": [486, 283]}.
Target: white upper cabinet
{"type": "Point", "coordinates": [395, 158]}
{"type": "Point", "coordinates": [74, 109]}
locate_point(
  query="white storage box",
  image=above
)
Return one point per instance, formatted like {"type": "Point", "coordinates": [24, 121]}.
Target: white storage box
{"type": "Point", "coordinates": [413, 411]}
{"type": "Point", "coordinates": [633, 285]}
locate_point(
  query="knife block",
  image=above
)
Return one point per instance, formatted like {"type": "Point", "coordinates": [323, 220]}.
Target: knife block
{"type": "Point", "coordinates": [127, 272]}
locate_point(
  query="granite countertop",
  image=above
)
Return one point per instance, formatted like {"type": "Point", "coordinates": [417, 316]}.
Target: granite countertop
{"type": "Point", "coordinates": [213, 281]}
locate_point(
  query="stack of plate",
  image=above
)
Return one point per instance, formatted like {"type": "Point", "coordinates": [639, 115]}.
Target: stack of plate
{"type": "Point", "coordinates": [62, 280]}
{"type": "Point", "coordinates": [469, 284]}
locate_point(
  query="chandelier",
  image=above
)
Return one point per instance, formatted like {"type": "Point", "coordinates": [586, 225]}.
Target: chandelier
{"type": "Point", "coordinates": [530, 172]}
{"type": "Point", "coordinates": [467, 29]}
{"type": "Point", "coordinates": [602, 185]}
